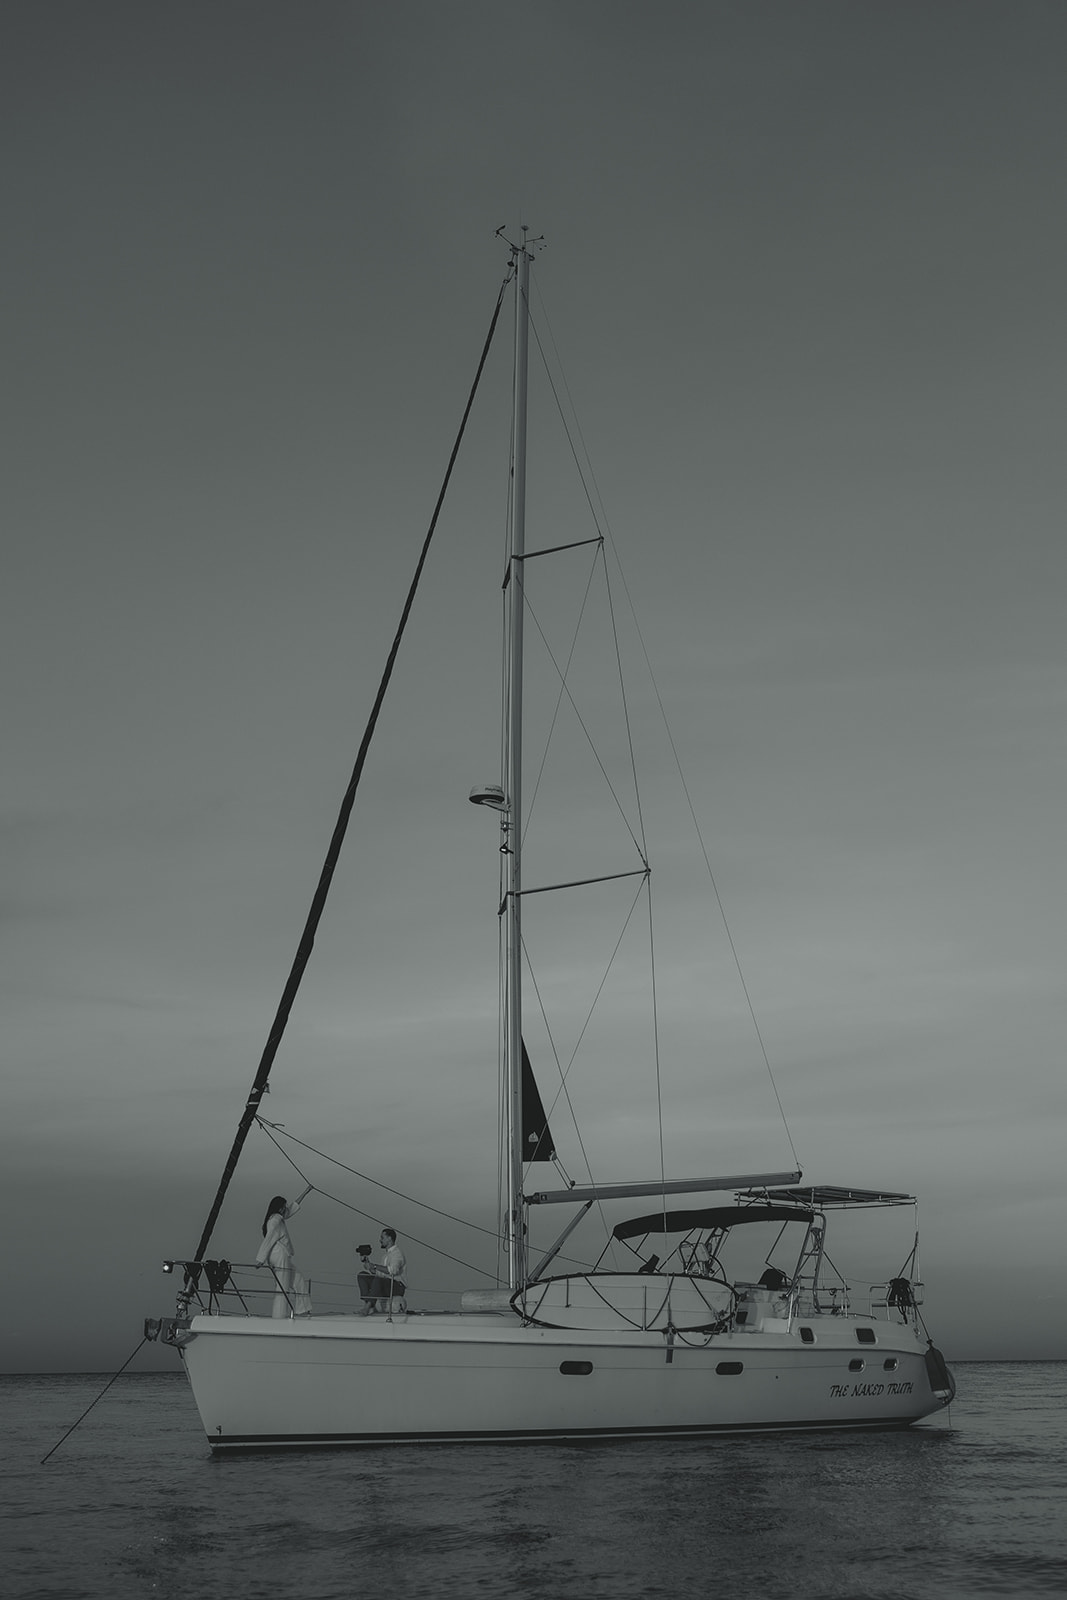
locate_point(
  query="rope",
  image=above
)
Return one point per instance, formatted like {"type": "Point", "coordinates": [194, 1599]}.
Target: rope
{"type": "Point", "coordinates": [318, 903]}
{"type": "Point", "coordinates": [270, 1128]}
{"type": "Point", "coordinates": [88, 1408]}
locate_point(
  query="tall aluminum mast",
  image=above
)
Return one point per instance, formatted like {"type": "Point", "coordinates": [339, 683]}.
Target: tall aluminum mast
{"type": "Point", "coordinates": [521, 255]}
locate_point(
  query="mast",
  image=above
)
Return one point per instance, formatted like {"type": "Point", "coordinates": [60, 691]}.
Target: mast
{"type": "Point", "coordinates": [513, 778]}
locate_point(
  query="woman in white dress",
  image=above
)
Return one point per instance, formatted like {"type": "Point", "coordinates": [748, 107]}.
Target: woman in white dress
{"type": "Point", "coordinates": [276, 1252]}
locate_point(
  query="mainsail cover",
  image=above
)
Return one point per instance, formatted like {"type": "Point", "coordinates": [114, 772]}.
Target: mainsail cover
{"type": "Point", "coordinates": [537, 1142]}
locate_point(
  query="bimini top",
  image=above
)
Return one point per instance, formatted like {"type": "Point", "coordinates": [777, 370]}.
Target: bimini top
{"type": "Point", "coordinates": [708, 1217]}
{"type": "Point", "coordinates": [823, 1197]}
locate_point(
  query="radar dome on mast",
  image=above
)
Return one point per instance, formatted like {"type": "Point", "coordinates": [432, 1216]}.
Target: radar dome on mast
{"type": "Point", "coordinates": [489, 794]}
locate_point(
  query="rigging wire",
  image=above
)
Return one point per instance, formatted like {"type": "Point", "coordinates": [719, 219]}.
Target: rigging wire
{"type": "Point", "coordinates": [270, 1128]}
{"type": "Point", "coordinates": [588, 477]}
{"type": "Point", "coordinates": [562, 674]}
{"type": "Point", "coordinates": [585, 475]}
{"type": "Point", "coordinates": [626, 712]}
{"type": "Point", "coordinates": [89, 1407]}
{"type": "Point", "coordinates": [562, 415]}
{"type": "Point", "coordinates": [656, 1056]}
{"type": "Point", "coordinates": [708, 867]}
{"type": "Point", "coordinates": [564, 1072]}
{"type": "Point", "coordinates": [307, 939]}
{"type": "Point", "coordinates": [564, 689]}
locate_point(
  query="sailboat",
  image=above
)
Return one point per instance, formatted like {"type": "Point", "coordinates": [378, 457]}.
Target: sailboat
{"type": "Point", "coordinates": [676, 1344]}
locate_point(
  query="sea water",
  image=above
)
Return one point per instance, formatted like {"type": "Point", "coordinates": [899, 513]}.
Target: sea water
{"type": "Point", "coordinates": [971, 1503]}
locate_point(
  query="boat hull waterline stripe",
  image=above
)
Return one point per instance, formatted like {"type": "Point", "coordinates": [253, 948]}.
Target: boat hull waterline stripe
{"type": "Point", "coordinates": [548, 1435]}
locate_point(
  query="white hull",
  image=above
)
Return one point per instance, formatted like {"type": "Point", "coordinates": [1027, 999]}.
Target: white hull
{"type": "Point", "coordinates": [262, 1383]}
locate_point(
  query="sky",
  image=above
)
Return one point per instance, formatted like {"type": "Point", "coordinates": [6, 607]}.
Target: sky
{"type": "Point", "coordinates": [804, 269]}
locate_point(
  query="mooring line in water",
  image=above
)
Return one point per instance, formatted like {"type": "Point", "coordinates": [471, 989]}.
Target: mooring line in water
{"type": "Point", "coordinates": [88, 1408]}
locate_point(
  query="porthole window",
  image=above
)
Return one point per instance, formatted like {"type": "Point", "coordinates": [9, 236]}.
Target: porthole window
{"type": "Point", "coordinates": [891, 1365]}
{"type": "Point", "coordinates": [865, 1335]}
{"type": "Point", "coordinates": [576, 1369]}
{"type": "Point", "coordinates": [807, 1335]}
{"type": "Point", "coordinates": [857, 1364]}
{"type": "Point", "coordinates": [730, 1369]}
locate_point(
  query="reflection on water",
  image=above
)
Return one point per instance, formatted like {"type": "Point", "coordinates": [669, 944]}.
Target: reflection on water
{"type": "Point", "coordinates": [134, 1505]}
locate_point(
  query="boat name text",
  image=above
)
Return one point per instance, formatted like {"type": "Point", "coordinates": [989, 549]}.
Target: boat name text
{"type": "Point", "coordinates": [845, 1391]}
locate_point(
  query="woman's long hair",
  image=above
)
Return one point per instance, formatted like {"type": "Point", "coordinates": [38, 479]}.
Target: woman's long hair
{"type": "Point", "coordinates": [278, 1204]}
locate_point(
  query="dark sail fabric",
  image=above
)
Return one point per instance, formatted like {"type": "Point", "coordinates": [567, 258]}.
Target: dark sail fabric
{"type": "Point", "coordinates": [537, 1142]}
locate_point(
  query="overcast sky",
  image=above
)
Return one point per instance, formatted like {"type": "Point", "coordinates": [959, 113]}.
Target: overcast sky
{"type": "Point", "coordinates": [804, 269]}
